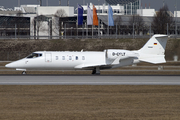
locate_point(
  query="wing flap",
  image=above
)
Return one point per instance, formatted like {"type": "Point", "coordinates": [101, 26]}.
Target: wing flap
{"type": "Point", "coordinates": [88, 65]}
{"type": "Point", "coordinates": [116, 61]}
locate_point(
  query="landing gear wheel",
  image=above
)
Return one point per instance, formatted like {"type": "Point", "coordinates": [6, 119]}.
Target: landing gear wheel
{"type": "Point", "coordinates": [96, 71]}
{"type": "Point", "coordinates": [24, 73]}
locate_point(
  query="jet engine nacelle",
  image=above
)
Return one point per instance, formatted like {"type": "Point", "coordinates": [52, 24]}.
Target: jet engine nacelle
{"type": "Point", "coordinates": [113, 54]}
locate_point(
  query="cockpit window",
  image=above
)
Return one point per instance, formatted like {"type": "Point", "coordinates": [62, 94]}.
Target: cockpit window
{"type": "Point", "coordinates": [34, 55]}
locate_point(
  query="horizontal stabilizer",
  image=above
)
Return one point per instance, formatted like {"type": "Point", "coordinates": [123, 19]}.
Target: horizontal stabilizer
{"type": "Point", "coordinates": [154, 59]}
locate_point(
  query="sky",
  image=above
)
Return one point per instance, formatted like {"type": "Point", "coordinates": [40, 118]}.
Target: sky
{"type": "Point", "coordinates": [156, 4]}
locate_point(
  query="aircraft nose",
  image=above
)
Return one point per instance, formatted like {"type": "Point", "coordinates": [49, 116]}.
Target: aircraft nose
{"type": "Point", "coordinates": [11, 65]}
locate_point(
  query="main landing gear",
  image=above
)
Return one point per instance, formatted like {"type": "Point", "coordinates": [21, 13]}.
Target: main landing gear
{"type": "Point", "coordinates": [96, 71]}
{"type": "Point", "coordinates": [24, 73]}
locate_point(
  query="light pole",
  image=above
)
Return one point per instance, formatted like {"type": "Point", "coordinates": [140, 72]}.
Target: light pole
{"type": "Point", "coordinates": [18, 3]}
{"type": "Point", "coordinates": [46, 2]}
{"type": "Point", "coordinates": [167, 28]}
{"type": "Point", "coordinates": [99, 19]}
{"type": "Point", "coordinates": [68, 3]}
{"type": "Point", "coordinates": [59, 2]}
{"type": "Point", "coordinates": [71, 32]}
{"type": "Point", "coordinates": [176, 19]}
{"type": "Point", "coordinates": [131, 8]}
{"type": "Point", "coordinates": [163, 3]}
{"type": "Point", "coordinates": [15, 31]}
{"type": "Point", "coordinates": [40, 2]}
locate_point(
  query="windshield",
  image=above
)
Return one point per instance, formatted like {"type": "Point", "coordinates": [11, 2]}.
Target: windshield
{"type": "Point", "coordinates": [34, 55]}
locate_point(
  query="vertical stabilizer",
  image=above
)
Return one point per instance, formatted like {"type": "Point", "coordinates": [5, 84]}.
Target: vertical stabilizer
{"type": "Point", "coordinates": [156, 45]}
{"type": "Point", "coordinates": [153, 51]}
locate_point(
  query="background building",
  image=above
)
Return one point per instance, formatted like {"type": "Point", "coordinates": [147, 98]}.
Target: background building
{"type": "Point", "coordinates": [130, 6]}
{"type": "Point", "coordinates": [146, 12]}
{"type": "Point", "coordinates": [103, 9]}
{"type": "Point", "coordinates": [176, 13]}
{"type": "Point", "coordinates": [51, 22]}
{"type": "Point", "coordinates": [11, 26]}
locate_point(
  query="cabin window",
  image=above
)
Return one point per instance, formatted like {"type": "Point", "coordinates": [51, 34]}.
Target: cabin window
{"type": "Point", "coordinates": [70, 58]}
{"type": "Point", "coordinates": [63, 57]}
{"type": "Point", "coordinates": [56, 57]}
{"type": "Point", "coordinates": [34, 55]}
{"type": "Point", "coordinates": [83, 58]}
{"type": "Point", "coordinates": [76, 57]}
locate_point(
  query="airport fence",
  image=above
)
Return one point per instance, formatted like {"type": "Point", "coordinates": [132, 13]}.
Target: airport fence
{"type": "Point", "coordinates": [84, 37]}
{"type": "Point", "coordinates": [76, 37]}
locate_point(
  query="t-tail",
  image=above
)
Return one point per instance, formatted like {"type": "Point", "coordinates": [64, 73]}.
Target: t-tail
{"type": "Point", "coordinates": [154, 50]}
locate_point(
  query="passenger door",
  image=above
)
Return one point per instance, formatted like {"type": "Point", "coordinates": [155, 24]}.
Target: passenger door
{"type": "Point", "coordinates": [48, 57]}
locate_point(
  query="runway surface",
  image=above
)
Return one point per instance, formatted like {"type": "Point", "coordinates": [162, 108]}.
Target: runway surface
{"type": "Point", "coordinates": [87, 80]}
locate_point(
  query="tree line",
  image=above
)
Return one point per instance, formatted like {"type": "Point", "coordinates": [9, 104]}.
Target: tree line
{"type": "Point", "coordinates": [159, 25]}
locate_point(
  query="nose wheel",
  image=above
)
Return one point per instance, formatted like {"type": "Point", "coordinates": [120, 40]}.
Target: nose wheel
{"type": "Point", "coordinates": [24, 73]}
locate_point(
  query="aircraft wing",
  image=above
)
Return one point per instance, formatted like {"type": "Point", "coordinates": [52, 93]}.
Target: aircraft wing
{"type": "Point", "coordinates": [104, 65]}
{"type": "Point", "coordinates": [81, 66]}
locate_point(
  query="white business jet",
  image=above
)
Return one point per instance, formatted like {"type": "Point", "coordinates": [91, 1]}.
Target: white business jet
{"type": "Point", "coordinates": [152, 52]}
